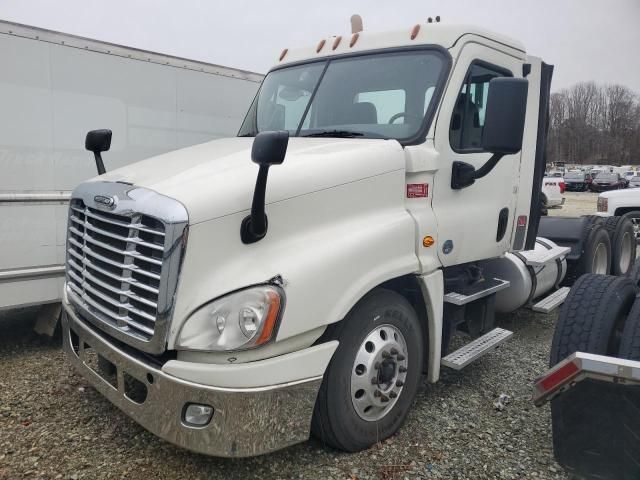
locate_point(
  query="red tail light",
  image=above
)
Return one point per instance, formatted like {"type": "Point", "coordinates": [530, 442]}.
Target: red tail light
{"type": "Point", "coordinates": [562, 186]}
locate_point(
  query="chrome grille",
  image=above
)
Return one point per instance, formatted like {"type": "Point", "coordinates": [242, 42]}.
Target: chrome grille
{"type": "Point", "coordinates": [123, 264]}
{"type": "Point", "coordinates": [114, 264]}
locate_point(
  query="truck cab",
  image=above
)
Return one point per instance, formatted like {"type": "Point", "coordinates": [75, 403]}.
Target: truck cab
{"type": "Point", "coordinates": [254, 302]}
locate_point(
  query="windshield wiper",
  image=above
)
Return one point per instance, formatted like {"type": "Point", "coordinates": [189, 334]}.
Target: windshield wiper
{"type": "Point", "coordinates": [335, 133]}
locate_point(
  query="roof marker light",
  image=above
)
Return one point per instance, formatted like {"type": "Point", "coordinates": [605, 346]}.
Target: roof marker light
{"type": "Point", "coordinates": [414, 31]}
{"type": "Point", "coordinates": [354, 39]}
{"type": "Point", "coordinates": [336, 42]}
{"type": "Point", "coordinates": [284, 52]}
{"type": "Point", "coordinates": [320, 45]}
{"type": "Point", "coordinates": [356, 23]}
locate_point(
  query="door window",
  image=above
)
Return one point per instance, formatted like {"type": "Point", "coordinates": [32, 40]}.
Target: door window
{"type": "Point", "coordinates": [467, 122]}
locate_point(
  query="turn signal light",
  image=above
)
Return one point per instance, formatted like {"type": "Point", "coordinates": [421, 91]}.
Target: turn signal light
{"type": "Point", "coordinates": [428, 241]}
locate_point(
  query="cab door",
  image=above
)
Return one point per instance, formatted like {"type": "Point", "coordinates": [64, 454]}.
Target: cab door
{"type": "Point", "coordinates": [475, 222]}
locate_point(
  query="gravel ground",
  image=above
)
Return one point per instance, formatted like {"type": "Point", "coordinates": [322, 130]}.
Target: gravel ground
{"type": "Point", "coordinates": [54, 425]}
{"type": "Point", "coordinates": [576, 204]}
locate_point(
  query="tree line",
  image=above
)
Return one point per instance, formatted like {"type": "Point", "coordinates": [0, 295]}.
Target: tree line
{"type": "Point", "coordinates": [594, 124]}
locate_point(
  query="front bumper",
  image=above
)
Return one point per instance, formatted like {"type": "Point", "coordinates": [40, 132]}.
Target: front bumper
{"type": "Point", "coordinates": [245, 422]}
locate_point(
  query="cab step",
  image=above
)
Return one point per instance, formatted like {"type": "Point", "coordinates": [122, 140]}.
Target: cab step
{"type": "Point", "coordinates": [477, 348]}
{"type": "Point", "coordinates": [552, 301]}
{"type": "Point", "coordinates": [476, 291]}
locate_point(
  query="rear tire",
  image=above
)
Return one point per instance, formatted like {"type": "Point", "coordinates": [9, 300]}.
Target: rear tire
{"type": "Point", "coordinates": [634, 218]}
{"type": "Point", "coordinates": [623, 244]}
{"type": "Point", "coordinates": [595, 308]}
{"type": "Point", "coordinates": [596, 256]}
{"type": "Point", "coordinates": [341, 418]}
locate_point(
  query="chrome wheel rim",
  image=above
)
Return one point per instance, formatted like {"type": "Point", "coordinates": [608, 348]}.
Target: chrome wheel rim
{"type": "Point", "coordinates": [379, 372]}
{"type": "Point", "coordinates": [625, 252]}
{"type": "Point", "coordinates": [600, 260]}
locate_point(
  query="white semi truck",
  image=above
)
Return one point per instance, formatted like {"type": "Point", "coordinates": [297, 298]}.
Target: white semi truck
{"type": "Point", "coordinates": [232, 307]}
{"type": "Point", "coordinates": [52, 87]}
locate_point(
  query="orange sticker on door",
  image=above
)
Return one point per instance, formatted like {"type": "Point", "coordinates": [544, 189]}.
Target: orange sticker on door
{"type": "Point", "coordinates": [417, 190]}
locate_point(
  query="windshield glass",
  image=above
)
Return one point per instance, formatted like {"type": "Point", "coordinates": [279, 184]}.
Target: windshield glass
{"type": "Point", "coordinates": [383, 95]}
{"type": "Point", "coordinates": [607, 177]}
{"type": "Point", "coordinates": [574, 176]}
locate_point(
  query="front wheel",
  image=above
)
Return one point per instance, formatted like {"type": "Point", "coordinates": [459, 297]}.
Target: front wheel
{"type": "Point", "coordinates": [374, 374]}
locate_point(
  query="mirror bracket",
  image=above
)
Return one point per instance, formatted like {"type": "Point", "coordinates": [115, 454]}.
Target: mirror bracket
{"type": "Point", "coordinates": [464, 174]}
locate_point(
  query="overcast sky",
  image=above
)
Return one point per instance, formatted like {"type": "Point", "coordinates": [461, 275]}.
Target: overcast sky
{"type": "Point", "coordinates": [585, 39]}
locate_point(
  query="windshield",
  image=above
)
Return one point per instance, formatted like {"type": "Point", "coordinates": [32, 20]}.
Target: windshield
{"type": "Point", "coordinates": [384, 95]}
{"type": "Point", "coordinates": [607, 177]}
{"type": "Point", "coordinates": [574, 176]}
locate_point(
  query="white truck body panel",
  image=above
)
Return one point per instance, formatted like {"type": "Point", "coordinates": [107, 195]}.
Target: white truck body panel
{"type": "Point", "coordinates": [53, 89]}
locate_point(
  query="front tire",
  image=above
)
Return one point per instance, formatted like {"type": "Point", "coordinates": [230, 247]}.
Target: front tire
{"type": "Point", "coordinates": [374, 375]}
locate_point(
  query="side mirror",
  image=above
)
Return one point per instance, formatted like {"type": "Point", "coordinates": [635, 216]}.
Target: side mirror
{"type": "Point", "coordinates": [98, 141]}
{"type": "Point", "coordinates": [269, 148]}
{"type": "Point", "coordinates": [503, 128]}
{"type": "Point", "coordinates": [505, 115]}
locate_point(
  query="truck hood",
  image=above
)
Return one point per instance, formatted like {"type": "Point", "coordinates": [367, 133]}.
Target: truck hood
{"type": "Point", "coordinates": [627, 195]}
{"type": "Point", "coordinates": [217, 178]}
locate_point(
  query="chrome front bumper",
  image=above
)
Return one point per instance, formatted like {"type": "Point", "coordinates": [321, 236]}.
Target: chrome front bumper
{"type": "Point", "coordinates": [245, 422]}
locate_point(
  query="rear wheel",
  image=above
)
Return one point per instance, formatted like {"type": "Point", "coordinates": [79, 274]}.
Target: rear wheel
{"type": "Point", "coordinates": [634, 218]}
{"type": "Point", "coordinates": [374, 374]}
{"type": "Point", "coordinates": [623, 244]}
{"type": "Point", "coordinates": [592, 316]}
{"type": "Point", "coordinates": [596, 254]}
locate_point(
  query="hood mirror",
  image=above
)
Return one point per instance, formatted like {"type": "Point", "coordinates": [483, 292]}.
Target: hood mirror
{"type": "Point", "coordinates": [98, 141]}
{"type": "Point", "coordinates": [269, 148]}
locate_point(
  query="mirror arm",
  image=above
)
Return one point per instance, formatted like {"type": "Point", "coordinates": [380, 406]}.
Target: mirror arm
{"type": "Point", "coordinates": [99, 163]}
{"type": "Point", "coordinates": [487, 167]}
{"type": "Point", "coordinates": [254, 226]}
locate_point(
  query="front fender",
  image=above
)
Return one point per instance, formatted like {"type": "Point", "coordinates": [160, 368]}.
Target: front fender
{"type": "Point", "coordinates": [330, 247]}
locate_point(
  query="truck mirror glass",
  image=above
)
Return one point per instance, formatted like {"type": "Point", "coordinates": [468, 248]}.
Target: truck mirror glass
{"type": "Point", "coordinates": [98, 141]}
{"type": "Point", "coordinates": [505, 115]}
{"type": "Point", "coordinates": [270, 148]}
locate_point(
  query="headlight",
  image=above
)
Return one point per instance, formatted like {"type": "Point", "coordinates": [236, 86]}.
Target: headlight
{"type": "Point", "coordinates": [603, 204]}
{"type": "Point", "coordinates": [238, 321]}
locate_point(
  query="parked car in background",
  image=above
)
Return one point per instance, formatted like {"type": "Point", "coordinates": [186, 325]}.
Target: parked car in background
{"type": "Point", "coordinates": [552, 190]}
{"type": "Point", "coordinates": [634, 182]}
{"type": "Point", "coordinates": [576, 181]}
{"type": "Point", "coordinates": [607, 181]}
{"type": "Point", "coordinates": [625, 202]}
{"type": "Point", "coordinates": [628, 176]}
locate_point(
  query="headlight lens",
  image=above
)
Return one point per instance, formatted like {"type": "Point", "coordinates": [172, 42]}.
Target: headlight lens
{"type": "Point", "coordinates": [238, 321]}
{"type": "Point", "coordinates": [603, 204]}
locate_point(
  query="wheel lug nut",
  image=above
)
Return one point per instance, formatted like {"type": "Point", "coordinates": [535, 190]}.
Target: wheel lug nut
{"type": "Point", "coordinates": [402, 369]}
{"type": "Point", "coordinates": [399, 383]}
{"type": "Point", "coordinates": [400, 357]}
{"type": "Point", "coordinates": [394, 351]}
{"type": "Point", "coordinates": [393, 395]}
{"type": "Point", "coordinates": [384, 398]}
{"type": "Point", "coordinates": [377, 365]}
{"type": "Point", "coordinates": [385, 354]}
{"type": "Point", "coordinates": [374, 381]}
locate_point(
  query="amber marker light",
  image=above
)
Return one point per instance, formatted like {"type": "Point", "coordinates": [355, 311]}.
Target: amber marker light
{"type": "Point", "coordinates": [283, 54]}
{"type": "Point", "coordinates": [428, 241]}
{"type": "Point", "coordinates": [271, 320]}
{"type": "Point", "coordinates": [336, 42]}
{"type": "Point", "coordinates": [414, 31]}
{"type": "Point", "coordinates": [320, 45]}
{"type": "Point", "coordinates": [354, 39]}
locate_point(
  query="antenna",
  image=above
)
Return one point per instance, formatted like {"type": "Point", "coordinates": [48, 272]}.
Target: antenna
{"type": "Point", "coordinates": [356, 23]}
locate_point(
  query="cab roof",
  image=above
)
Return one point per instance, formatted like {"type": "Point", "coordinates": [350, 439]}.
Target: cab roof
{"type": "Point", "coordinates": [438, 34]}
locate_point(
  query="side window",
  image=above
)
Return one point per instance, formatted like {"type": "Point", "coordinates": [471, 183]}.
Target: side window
{"type": "Point", "coordinates": [467, 121]}
{"type": "Point", "coordinates": [386, 103]}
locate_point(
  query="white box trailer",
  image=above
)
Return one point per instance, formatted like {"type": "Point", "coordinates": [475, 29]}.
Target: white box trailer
{"type": "Point", "coordinates": [53, 88]}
